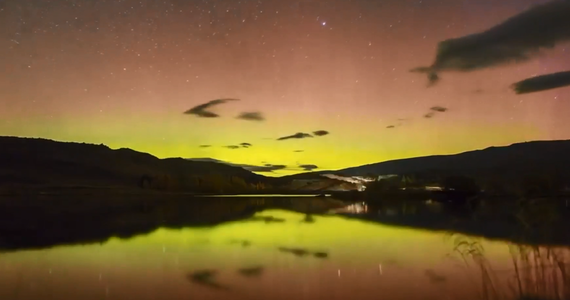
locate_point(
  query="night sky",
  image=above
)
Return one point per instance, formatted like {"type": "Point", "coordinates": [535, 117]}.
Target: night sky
{"type": "Point", "coordinates": [319, 83]}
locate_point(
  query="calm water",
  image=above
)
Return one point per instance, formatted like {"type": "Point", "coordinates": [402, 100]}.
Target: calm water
{"type": "Point", "coordinates": [278, 254]}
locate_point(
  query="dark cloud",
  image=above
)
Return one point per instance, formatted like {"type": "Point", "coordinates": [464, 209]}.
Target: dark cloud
{"type": "Point", "coordinates": [517, 39]}
{"type": "Point", "coordinates": [246, 145]}
{"type": "Point", "coordinates": [253, 168]}
{"type": "Point", "coordinates": [308, 167]}
{"type": "Point", "coordinates": [301, 252]}
{"type": "Point", "coordinates": [295, 251]}
{"type": "Point", "coordinates": [265, 168]}
{"type": "Point", "coordinates": [232, 146]}
{"type": "Point", "coordinates": [438, 109]}
{"type": "Point", "coordinates": [206, 278]}
{"type": "Point", "coordinates": [251, 116]}
{"type": "Point", "coordinates": [205, 146]}
{"type": "Point", "coordinates": [320, 132]}
{"type": "Point", "coordinates": [201, 110]}
{"type": "Point", "coordinates": [298, 151]}
{"type": "Point", "coordinates": [542, 83]}
{"type": "Point", "coordinates": [251, 272]}
{"type": "Point", "coordinates": [298, 135]}
{"type": "Point", "coordinates": [399, 122]}
{"type": "Point", "coordinates": [434, 110]}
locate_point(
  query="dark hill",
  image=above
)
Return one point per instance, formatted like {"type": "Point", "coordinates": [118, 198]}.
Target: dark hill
{"type": "Point", "coordinates": [552, 157]}
{"type": "Point", "coordinates": [47, 162]}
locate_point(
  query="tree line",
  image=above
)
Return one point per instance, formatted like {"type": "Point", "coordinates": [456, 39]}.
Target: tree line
{"type": "Point", "coordinates": [522, 184]}
{"type": "Point", "coordinates": [209, 183]}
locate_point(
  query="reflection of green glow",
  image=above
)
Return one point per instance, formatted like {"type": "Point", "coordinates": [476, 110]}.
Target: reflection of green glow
{"type": "Point", "coordinates": [163, 258]}
{"type": "Point", "coordinates": [259, 196]}
{"type": "Point", "coordinates": [347, 240]}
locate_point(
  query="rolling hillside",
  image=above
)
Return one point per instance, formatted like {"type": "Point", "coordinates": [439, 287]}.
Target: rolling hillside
{"type": "Point", "coordinates": [28, 161]}
{"type": "Point", "coordinates": [521, 158]}
{"type": "Point", "coordinates": [47, 162]}
{"type": "Point", "coordinates": [515, 161]}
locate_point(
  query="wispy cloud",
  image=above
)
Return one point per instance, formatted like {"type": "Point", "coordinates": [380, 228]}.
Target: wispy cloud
{"type": "Point", "coordinates": [435, 110]}
{"type": "Point", "coordinates": [205, 146]}
{"type": "Point", "coordinates": [241, 145]}
{"type": "Point", "coordinates": [320, 132]}
{"type": "Point", "coordinates": [438, 109]}
{"type": "Point", "coordinates": [202, 109]}
{"type": "Point", "coordinates": [308, 167]}
{"type": "Point", "coordinates": [299, 151]}
{"type": "Point", "coordinates": [399, 122]}
{"type": "Point", "coordinates": [515, 40]}
{"type": "Point", "coordinates": [206, 278]}
{"type": "Point", "coordinates": [251, 116]}
{"type": "Point", "coordinates": [542, 83]}
{"type": "Point", "coordinates": [264, 168]}
{"type": "Point", "coordinates": [253, 168]}
{"type": "Point", "coordinates": [298, 135]}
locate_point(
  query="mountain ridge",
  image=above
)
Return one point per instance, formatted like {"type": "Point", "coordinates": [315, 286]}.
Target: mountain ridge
{"type": "Point", "coordinates": [546, 156]}
{"type": "Point", "coordinates": [45, 161]}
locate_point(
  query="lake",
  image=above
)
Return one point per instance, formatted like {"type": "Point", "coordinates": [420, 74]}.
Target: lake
{"type": "Point", "coordinates": [295, 248]}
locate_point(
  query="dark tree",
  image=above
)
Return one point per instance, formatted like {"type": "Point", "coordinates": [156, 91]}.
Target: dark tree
{"type": "Point", "coordinates": [145, 182]}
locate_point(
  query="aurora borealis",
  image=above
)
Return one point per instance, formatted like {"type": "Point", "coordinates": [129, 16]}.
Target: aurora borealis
{"type": "Point", "coordinates": [123, 72]}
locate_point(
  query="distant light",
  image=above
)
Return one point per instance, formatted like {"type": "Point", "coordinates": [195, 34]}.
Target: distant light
{"type": "Point", "coordinates": [324, 23]}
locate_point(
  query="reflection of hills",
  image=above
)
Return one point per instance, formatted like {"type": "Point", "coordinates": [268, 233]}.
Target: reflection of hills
{"type": "Point", "coordinates": [320, 184]}
{"type": "Point", "coordinates": [66, 221]}
{"type": "Point", "coordinates": [60, 220]}
{"type": "Point", "coordinates": [51, 222]}
{"type": "Point", "coordinates": [499, 222]}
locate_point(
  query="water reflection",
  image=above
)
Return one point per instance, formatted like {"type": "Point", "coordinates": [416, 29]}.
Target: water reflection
{"type": "Point", "coordinates": [251, 272]}
{"type": "Point", "coordinates": [26, 224]}
{"type": "Point", "coordinates": [304, 252]}
{"type": "Point", "coordinates": [332, 257]}
{"type": "Point", "coordinates": [206, 278]}
{"type": "Point", "coordinates": [354, 208]}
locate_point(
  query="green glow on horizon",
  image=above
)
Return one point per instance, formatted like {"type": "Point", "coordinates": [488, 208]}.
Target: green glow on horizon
{"type": "Point", "coordinates": [332, 152]}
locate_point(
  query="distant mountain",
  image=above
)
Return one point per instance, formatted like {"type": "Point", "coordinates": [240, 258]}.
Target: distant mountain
{"type": "Point", "coordinates": [47, 162]}
{"type": "Point", "coordinates": [29, 161]}
{"type": "Point", "coordinates": [514, 160]}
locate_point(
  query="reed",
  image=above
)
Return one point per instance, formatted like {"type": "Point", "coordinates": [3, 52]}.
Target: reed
{"type": "Point", "coordinates": [537, 273]}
